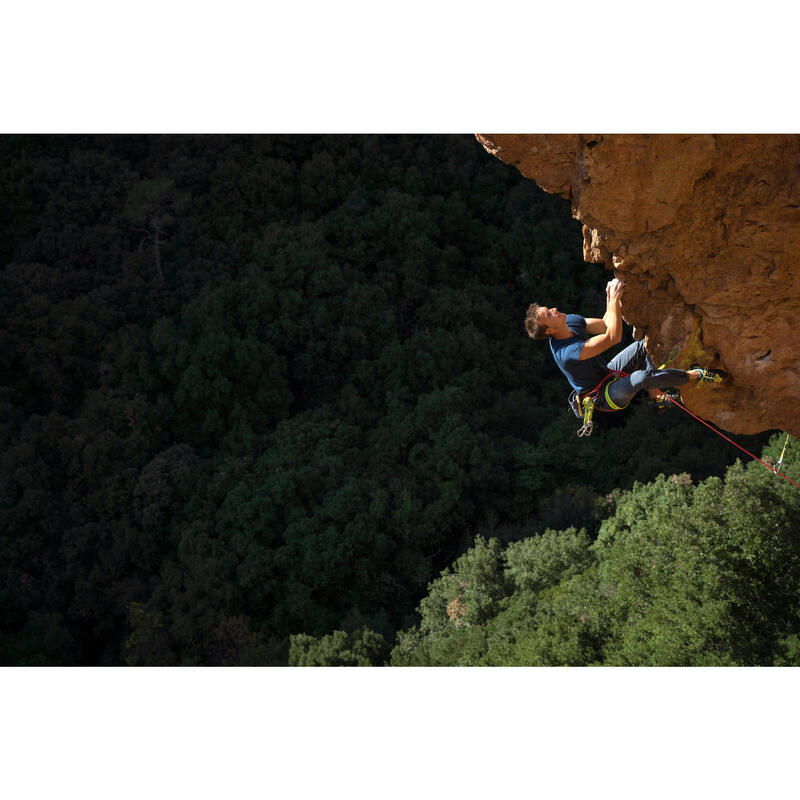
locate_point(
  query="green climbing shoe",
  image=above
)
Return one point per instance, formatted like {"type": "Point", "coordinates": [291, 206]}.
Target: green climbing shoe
{"type": "Point", "coordinates": [665, 400]}
{"type": "Point", "coordinates": [710, 375]}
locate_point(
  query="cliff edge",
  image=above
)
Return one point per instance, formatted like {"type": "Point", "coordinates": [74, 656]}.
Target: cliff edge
{"type": "Point", "coordinates": [705, 230]}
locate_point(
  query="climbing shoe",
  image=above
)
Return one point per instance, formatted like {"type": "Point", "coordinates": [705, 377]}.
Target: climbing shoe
{"type": "Point", "coordinates": [664, 401]}
{"type": "Point", "coordinates": [710, 375]}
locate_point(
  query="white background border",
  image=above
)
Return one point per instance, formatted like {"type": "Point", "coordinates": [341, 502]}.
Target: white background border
{"type": "Point", "coordinates": [413, 67]}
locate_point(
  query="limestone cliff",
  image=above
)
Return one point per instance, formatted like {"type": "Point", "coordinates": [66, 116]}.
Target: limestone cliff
{"type": "Point", "coordinates": [705, 230]}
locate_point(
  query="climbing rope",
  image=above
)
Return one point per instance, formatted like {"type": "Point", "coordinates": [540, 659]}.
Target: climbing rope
{"type": "Point", "coordinates": [589, 404]}
{"type": "Point", "coordinates": [719, 433]}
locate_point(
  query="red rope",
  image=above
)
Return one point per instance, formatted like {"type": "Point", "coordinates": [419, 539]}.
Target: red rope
{"type": "Point", "coordinates": [719, 433]}
{"type": "Point", "coordinates": [731, 440]}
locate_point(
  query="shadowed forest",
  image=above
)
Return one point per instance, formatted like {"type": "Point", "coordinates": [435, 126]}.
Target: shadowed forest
{"type": "Point", "coordinates": [268, 400]}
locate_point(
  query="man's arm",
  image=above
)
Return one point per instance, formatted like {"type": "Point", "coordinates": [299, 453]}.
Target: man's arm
{"type": "Point", "coordinates": [595, 326]}
{"type": "Point", "coordinates": [612, 322]}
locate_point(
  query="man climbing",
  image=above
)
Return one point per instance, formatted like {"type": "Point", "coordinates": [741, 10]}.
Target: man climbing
{"type": "Point", "coordinates": [577, 344]}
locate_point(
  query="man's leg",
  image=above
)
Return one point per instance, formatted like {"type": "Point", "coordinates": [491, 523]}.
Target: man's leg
{"type": "Point", "coordinates": [633, 357]}
{"type": "Point", "coordinates": [623, 390]}
{"type": "Point", "coordinates": [643, 374]}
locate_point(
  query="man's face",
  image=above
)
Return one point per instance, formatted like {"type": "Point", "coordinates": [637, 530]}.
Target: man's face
{"type": "Point", "coordinates": [550, 317]}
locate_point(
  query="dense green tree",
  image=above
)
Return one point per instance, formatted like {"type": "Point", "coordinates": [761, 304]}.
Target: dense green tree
{"type": "Point", "coordinates": [702, 575]}
{"type": "Point", "coordinates": [151, 206]}
{"type": "Point", "coordinates": [541, 561]}
{"type": "Point", "coordinates": [680, 574]}
{"type": "Point", "coordinates": [362, 648]}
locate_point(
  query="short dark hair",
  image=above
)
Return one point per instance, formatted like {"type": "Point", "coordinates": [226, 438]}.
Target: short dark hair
{"type": "Point", "coordinates": [534, 328]}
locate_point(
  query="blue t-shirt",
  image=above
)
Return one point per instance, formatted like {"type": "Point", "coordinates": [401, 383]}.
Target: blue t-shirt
{"type": "Point", "coordinates": [582, 375]}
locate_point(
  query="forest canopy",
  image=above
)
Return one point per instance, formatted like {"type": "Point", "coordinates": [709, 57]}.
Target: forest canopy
{"type": "Point", "coordinates": [259, 392]}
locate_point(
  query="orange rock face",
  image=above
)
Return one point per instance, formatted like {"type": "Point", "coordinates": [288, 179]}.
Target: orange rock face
{"type": "Point", "coordinates": [705, 231]}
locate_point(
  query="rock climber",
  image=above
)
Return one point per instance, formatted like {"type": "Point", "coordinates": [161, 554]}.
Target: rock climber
{"type": "Point", "coordinates": [577, 344]}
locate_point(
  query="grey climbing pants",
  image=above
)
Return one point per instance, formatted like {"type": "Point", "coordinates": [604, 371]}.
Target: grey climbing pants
{"type": "Point", "coordinates": [642, 374]}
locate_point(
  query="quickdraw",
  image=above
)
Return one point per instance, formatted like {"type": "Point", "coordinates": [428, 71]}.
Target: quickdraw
{"type": "Point", "coordinates": [588, 410]}
{"type": "Point", "coordinates": [589, 401]}
{"type": "Point", "coordinates": [783, 453]}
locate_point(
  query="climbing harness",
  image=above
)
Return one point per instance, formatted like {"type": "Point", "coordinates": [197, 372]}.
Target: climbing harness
{"type": "Point", "coordinates": [584, 408]}
{"type": "Point", "coordinates": [584, 404]}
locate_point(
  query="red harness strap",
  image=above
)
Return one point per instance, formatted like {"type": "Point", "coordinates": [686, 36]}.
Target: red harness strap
{"type": "Point", "coordinates": [594, 393]}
